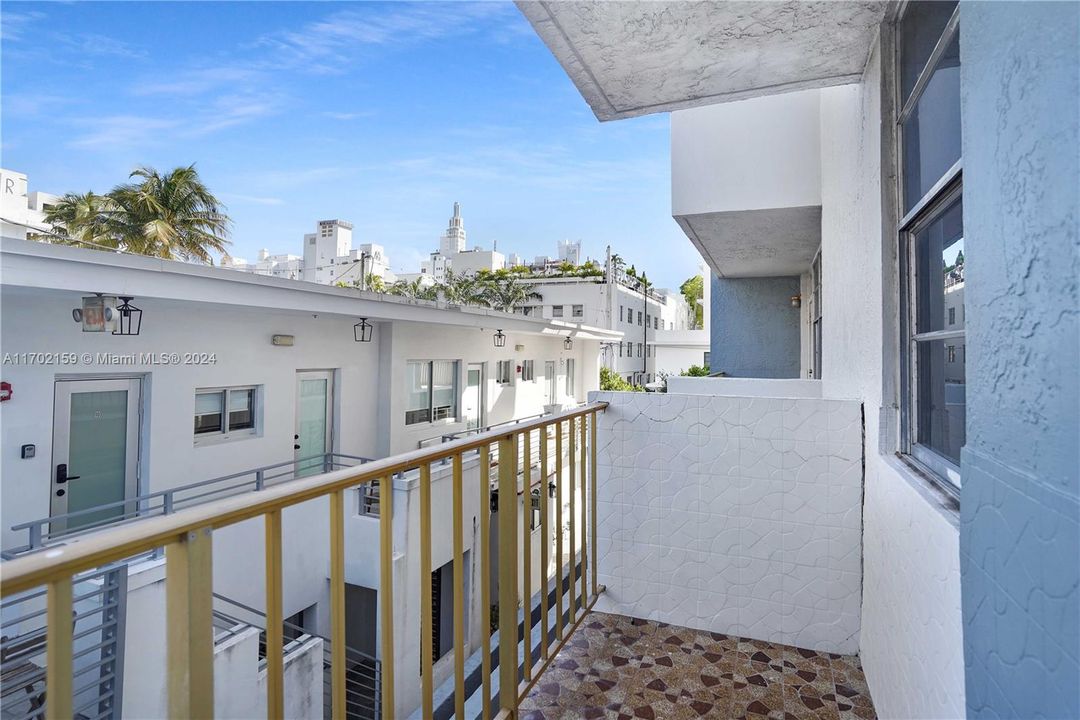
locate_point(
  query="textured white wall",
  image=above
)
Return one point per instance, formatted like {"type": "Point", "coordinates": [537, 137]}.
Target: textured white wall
{"type": "Point", "coordinates": [735, 515]}
{"type": "Point", "coordinates": [749, 155]}
{"type": "Point", "coordinates": [911, 626]}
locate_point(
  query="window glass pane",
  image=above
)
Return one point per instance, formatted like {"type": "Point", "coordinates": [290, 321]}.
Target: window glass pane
{"type": "Point", "coordinates": [932, 131]}
{"type": "Point", "coordinates": [920, 31]}
{"type": "Point", "coordinates": [444, 390]}
{"type": "Point", "coordinates": [208, 412]}
{"type": "Point", "coordinates": [941, 401]}
{"type": "Point", "coordinates": [417, 392]}
{"type": "Point", "coordinates": [939, 257]}
{"type": "Point", "coordinates": [241, 409]}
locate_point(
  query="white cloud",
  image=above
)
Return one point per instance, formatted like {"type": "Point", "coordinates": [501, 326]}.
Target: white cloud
{"type": "Point", "coordinates": [252, 199]}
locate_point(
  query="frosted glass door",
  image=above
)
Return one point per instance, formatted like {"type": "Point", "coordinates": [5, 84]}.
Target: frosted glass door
{"type": "Point", "coordinates": [473, 398]}
{"type": "Point", "coordinates": [313, 413]}
{"type": "Point", "coordinates": [95, 451]}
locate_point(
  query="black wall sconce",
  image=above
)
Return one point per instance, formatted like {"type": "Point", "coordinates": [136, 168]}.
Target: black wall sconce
{"type": "Point", "coordinates": [362, 331]}
{"type": "Point", "coordinates": [568, 343]}
{"type": "Point", "coordinates": [129, 321]}
{"type": "Point", "coordinates": [500, 339]}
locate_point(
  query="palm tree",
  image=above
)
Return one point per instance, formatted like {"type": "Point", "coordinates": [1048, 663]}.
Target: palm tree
{"type": "Point", "coordinates": [81, 219]}
{"type": "Point", "coordinates": [505, 294]}
{"type": "Point", "coordinates": [464, 289]}
{"type": "Point", "coordinates": [169, 216]}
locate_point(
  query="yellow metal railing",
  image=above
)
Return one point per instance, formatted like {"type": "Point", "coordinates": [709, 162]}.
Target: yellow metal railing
{"type": "Point", "coordinates": [187, 539]}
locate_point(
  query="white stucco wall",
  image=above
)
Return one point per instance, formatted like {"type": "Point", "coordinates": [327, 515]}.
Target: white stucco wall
{"type": "Point", "coordinates": [773, 162]}
{"type": "Point", "coordinates": [734, 515]}
{"type": "Point", "coordinates": [911, 639]}
{"type": "Point", "coordinates": [745, 387]}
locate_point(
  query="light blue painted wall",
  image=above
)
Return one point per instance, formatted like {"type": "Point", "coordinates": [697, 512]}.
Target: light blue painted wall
{"type": "Point", "coordinates": [1020, 503]}
{"type": "Point", "coordinates": [755, 331]}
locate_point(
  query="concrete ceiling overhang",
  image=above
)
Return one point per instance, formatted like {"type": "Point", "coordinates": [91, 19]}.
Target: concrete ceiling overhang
{"type": "Point", "coordinates": [634, 58]}
{"type": "Point", "coordinates": [756, 243]}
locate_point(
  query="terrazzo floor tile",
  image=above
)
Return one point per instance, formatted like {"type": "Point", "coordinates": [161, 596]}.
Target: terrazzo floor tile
{"type": "Point", "coordinates": [625, 669]}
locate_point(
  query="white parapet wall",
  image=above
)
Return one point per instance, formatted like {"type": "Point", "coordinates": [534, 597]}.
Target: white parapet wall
{"type": "Point", "coordinates": [745, 387]}
{"type": "Point", "coordinates": [735, 515]}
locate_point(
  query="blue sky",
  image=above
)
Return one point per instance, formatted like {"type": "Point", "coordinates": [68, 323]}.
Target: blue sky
{"type": "Point", "coordinates": [378, 113]}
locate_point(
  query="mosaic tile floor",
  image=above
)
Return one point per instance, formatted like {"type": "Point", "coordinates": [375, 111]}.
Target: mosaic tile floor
{"type": "Point", "coordinates": [623, 668]}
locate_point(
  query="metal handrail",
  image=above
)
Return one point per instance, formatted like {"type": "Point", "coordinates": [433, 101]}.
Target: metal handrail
{"type": "Point", "coordinates": [188, 537]}
{"type": "Point", "coordinates": [145, 505]}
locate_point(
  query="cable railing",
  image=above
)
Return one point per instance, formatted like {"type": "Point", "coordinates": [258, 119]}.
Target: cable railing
{"type": "Point", "coordinates": [187, 537]}
{"type": "Point", "coordinates": [362, 675]}
{"type": "Point", "coordinates": [70, 525]}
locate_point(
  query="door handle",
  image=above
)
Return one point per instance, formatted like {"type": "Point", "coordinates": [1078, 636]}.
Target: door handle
{"type": "Point", "coordinates": [295, 447]}
{"type": "Point", "coordinates": [62, 476]}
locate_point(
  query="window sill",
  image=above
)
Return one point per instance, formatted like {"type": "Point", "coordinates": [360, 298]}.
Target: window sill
{"type": "Point", "coordinates": [926, 485]}
{"type": "Point", "coordinates": [208, 440]}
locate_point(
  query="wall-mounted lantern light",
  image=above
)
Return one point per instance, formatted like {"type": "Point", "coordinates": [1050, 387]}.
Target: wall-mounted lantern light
{"type": "Point", "coordinates": [129, 321]}
{"type": "Point", "coordinates": [362, 331]}
{"type": "Point", "coordinates": [568, 343]}
{"type": "Point", "coordinates": [796, 301]}
{"type": "Point", "coordinates": [500, 339]}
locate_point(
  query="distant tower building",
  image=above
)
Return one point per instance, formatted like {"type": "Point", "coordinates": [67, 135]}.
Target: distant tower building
{"type": "Point", "coordinates": [570, 252]}
{"type": "Point", "coordinates": [331, 240]}
{"type": "Point", "coordinates": [453, 241]}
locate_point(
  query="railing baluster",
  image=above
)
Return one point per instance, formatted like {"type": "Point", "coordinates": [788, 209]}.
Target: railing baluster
{"type": "Point", "coordinates": [386, 591]}
{"type": "Point", "coordinates": [337, 604]}
{"type": "Point", "coordinates": [545, 540]}
{"type": "Point", "coordinates": [275, 618]}
{"type": "Point", "coordinates": [508, 655]}
{"type": "Point", "coordinates": [58, 669]}
{"type": "Point", "coordinates": [584, 516]}
{"type": "Point", "coordinates": [459, 592]}
{"type": "Point", "coordinates": [427, 685]}
{"type": "Point", "coordinates": [190, 634]}
{"type": "Point", "coordinates": [572, 595]}
{"type": "Point", "coordinates": [594, 417]}
{"type": "Point", "coordinates": [526, 550]}
{"type": "Point", "coordinates": [558, 531]}
{"type": "Point", "coordinates": [485, 579]}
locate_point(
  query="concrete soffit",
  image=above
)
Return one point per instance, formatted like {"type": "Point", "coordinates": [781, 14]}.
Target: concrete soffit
{"type": "Point", "coordinates": [635, 58]}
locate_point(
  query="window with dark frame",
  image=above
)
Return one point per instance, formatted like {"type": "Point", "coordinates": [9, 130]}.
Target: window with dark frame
{"type": "Point", "coordinates": [224, 411]}
{"type": "Point", "coordinates": [528, 371]}
{"type": "Point", "coordinates": [431, 390]}
{"type": "Point", "coordinates": [931, 234]}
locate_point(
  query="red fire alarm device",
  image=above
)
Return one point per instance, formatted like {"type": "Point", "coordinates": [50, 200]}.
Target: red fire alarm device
{"type": "Point", "coordinates": [5, 391]}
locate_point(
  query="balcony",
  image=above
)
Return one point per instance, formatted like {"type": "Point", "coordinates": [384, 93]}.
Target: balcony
{"type": "Point", "coordinates": [689, 556]}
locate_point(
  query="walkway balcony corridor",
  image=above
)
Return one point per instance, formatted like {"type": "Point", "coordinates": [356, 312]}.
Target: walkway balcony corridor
{"type": "Point", "coordinates": [709, 551]}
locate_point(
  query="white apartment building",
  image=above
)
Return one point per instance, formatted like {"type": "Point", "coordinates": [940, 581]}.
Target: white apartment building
{"type": "Point", "coordinates": [21, 211]}
{"type": "Point", "coordinates": [329, 257]}
{"type": "Point", "coordinates": [615, 301]}
{"type": "Point", "coordinates": [229, 373]}
{"type": "Point", "coordinates": [286, 266]}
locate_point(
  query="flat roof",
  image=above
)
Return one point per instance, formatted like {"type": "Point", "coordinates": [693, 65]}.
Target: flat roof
{"type": "Point", "coordinates": [45, 266]}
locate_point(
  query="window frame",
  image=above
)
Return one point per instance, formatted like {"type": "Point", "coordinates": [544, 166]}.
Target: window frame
{"type": "Point", "coordinates": [528, 371]}
{"type": "Point", "coordinates": [942, 472]}
{"type": "Point", "coordinates": [577, 311]}
{"type": "Point", "coordinates": [453, 417]}
{"type": "Point", "coordinates": [499, 365]}
{"type": "Point", "coordinates": [571, 378]}
{"type": "Point", "coordinates": [226, 434]}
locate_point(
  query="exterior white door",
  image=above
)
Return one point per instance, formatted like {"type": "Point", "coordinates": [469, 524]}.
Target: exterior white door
{"type": "Point", "coordinates": [314, 436]}
{"type": "Point", "coordinates": [473, 402]}
{"type": "Point", "coordinates": [549, 379]}
{"type": "Point", "coordinates": [95, 458]}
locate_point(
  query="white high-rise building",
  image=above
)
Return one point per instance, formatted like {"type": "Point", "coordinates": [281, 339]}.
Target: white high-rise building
{"type": "Point", "coordinates": [570, 252]}
{"type": "Point", "coordinates": [332, 239]}
{"type": "Point", "coordinates": [453, 241]}
{"type": "Point", "coordinates": [23, 211]}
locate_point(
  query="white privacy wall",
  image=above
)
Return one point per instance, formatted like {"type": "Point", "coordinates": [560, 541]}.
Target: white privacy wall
{"type": "Point", "coordinates": [736, 515]}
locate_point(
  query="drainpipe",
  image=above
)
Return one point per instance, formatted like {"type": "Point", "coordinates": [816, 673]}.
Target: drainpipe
{"type": "Point", "coordinates": [645, 329]}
